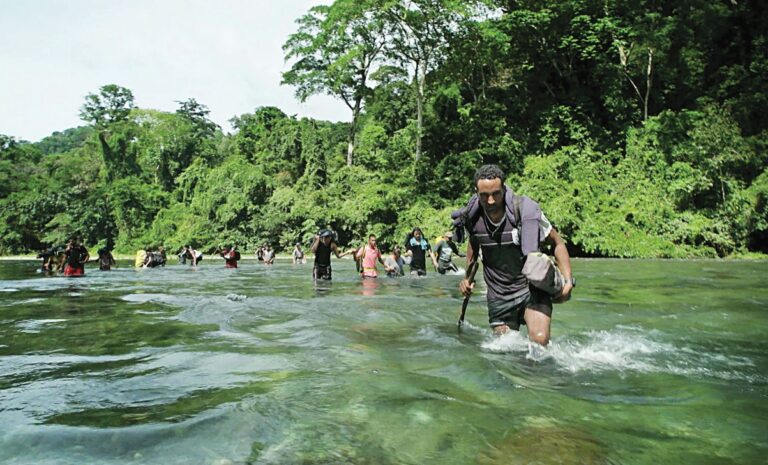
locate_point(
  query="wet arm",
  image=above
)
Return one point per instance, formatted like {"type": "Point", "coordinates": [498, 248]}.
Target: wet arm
{"type": "Point", "coordinates": [465, 286]}
{"type": "Point", "coordinates": [315, 243]}
{"type": "Point", "coordinates": [335, 250]}
{"type": "Point", "coordinates": [455, 249]}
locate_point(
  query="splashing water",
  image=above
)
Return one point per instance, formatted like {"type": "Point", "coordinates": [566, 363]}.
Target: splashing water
{"type": "Point", "coordinates": [626, 350]}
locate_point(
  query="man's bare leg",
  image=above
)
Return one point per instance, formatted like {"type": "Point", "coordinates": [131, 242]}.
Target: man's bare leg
{"type": "Point", "coordinates": [538, 326]}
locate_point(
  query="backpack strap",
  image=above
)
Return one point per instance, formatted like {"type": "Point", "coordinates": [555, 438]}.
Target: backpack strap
{"type": "Point", "coordinates": [468, 216]}
{"type": "Point", "coordinates": [513, 202]}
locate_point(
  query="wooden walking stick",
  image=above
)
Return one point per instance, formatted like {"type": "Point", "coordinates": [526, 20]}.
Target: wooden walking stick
{"type": "Point", "coordinates": [471, 278]}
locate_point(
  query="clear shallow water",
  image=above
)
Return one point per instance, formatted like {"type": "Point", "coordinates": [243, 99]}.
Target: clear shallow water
{"type": "Point", "coordinates": [652, 362]}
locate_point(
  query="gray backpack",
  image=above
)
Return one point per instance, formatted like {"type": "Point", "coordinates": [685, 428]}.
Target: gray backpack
{"type": "Point", "coordinates": [542, 272]}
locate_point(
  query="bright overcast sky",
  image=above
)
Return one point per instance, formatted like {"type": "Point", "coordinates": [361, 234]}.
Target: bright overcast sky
{"type": "Point", "coordinates": [226, 54]}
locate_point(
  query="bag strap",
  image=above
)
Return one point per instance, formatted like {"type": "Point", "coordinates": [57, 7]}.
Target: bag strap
{"type": "Point", "coordinates": [516, 201]}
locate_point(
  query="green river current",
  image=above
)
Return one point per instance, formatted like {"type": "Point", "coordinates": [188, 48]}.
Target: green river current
{"type": "Point", "coordinates": [651, 362]}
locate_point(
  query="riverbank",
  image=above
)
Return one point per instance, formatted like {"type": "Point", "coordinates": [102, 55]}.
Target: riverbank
{"type": "Point", "coordinates": [170, 258]}
{"type": "Point", "coordinates": [742, 256]}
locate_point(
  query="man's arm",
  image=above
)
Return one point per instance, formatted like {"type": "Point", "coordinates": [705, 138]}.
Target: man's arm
{"type": "Point", "coordinates": [563, 263]}
{"type": "Point", "coordinates": [455, 249]}
{"type": "Point", "coordinates": [335, 250]}
{"type": "Point", "coordinates": [384, 264]}
{"type": "Point", "coordinates": [465, 286]}
{"type": "Point", "coordinates": [434, 258]}
{"type": "Point", "coordinates": [315, 243]}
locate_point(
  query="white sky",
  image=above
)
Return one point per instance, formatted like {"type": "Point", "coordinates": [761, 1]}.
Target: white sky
{"type": "Point", "coordinates": [226, 54]}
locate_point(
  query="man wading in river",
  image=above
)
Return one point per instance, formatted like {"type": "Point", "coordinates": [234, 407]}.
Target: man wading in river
{"type": "Point", "coordinates": [506, 242]}
{"type": "Point", "coordinates": [322, 246]}
{"type": "Point", "coordinates": [368, 256]}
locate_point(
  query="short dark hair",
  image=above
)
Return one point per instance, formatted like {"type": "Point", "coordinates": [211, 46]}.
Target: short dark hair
{"type": "Point", "coordinates": [372, 236]}
{"type": "Point", "coordinates": [489, 172]}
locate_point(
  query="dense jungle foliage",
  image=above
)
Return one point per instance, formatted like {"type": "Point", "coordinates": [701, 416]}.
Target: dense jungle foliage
{"type": "Point", "coordinates": [640, 126]}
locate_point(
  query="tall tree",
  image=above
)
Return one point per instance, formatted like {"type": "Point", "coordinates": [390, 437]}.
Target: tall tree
{"type": "Point", "coordinates": [336, 49]}
{"type": "Point", "coordinates": [109, 112]}
{"type": "Point", "coordinates": [197, 114]}
{"type": "Point", "coordinates": [419, 33]}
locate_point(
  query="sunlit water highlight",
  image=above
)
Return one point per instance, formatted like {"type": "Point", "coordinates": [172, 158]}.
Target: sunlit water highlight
{"type": "Point", "coordinates": [651, 362]}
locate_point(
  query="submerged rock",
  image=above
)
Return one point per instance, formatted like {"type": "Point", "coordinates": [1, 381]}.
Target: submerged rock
{"type": "Point", "coordinates": [543, 441]}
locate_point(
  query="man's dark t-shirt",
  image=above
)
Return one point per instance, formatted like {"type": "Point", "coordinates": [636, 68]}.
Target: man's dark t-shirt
{"type": "Point", "coordinates": [75, 256]}
{"type": "Point", "coordinates": [323, 254]}
{"type": "Point", "coordinates": [502, 260]}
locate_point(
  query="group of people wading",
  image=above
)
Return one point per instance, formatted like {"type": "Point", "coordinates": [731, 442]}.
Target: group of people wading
{"type": "Point", "coordinates": [70, 259]}
{"type": "Point", "coordinates": [368, 255]}
{"type": "Point", "coordinates": [505, 233]}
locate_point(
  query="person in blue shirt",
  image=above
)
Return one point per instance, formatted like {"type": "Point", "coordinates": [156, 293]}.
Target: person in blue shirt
{"type": "Point", "coordinates": [417, 247]}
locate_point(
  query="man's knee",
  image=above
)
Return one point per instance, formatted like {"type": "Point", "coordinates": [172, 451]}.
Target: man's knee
{"type": "Point", "coordinates": [538, 326]}
{"type": "Point", "coordinates": [539, 337]}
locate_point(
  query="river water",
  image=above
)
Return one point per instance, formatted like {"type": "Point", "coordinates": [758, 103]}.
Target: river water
{"type": "Point", "coordinates": [651, 362]}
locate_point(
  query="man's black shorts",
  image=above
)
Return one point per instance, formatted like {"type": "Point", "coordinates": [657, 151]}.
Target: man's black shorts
{"type": "Point", "coordinates": [321, 272]}
{"type": "Point", "coordinates": [512, 312]}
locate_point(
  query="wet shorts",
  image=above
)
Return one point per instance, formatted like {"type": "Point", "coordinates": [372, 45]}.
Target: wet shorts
{"type": "Point", "coordinates": [512, 312]}
{"type": "Point", "coordinates": [70, 270]}
{"type": "Point", "coordinates": [321, 272]}
{"type": "Point", "coordinates": [443, 267]}
{"type": "Point", "coordinates": [418, 272]}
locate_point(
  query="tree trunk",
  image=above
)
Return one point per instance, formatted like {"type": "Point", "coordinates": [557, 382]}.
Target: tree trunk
{"type": "Point", "coordinates": [353, 132]}
{"type": "Point", "coordinates": [624, 61]}
{"type": "Point", "coordinates": [421, 72]}
{"type": "Point", "coordinates": [350, 146]}
{"type": "Point", "coordinates": [107, 155]}
{"type": "Point", "coordinates": [648, 82]}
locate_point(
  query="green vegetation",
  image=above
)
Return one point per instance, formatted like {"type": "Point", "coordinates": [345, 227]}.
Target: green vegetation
{"type": "Point", "coordinates": [639, 126]}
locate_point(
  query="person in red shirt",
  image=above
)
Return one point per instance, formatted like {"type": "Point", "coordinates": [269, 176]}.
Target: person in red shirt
{"type": "Point", "coordinates": [230, 256]}
{"type": "Point", "coordinates": [368, 256]}
{"type": "Point", "coordinates": [74, 259]}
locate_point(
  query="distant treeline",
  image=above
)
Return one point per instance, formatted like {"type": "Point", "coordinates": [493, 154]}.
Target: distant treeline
{"type": "Point", "coordinates": [640, 126]}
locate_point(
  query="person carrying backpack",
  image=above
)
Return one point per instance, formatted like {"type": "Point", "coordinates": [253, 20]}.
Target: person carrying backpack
{"type": "Point", "coordinates": [74, 259]}
{"type": "Point", "coordinates": [368, 256]}
{"type": "Point", "coordinates": [507, 230]}
{"type": "Point", "coordinates": [230, 255]}
{"type": "Point", "coordinates": [323, 245]}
